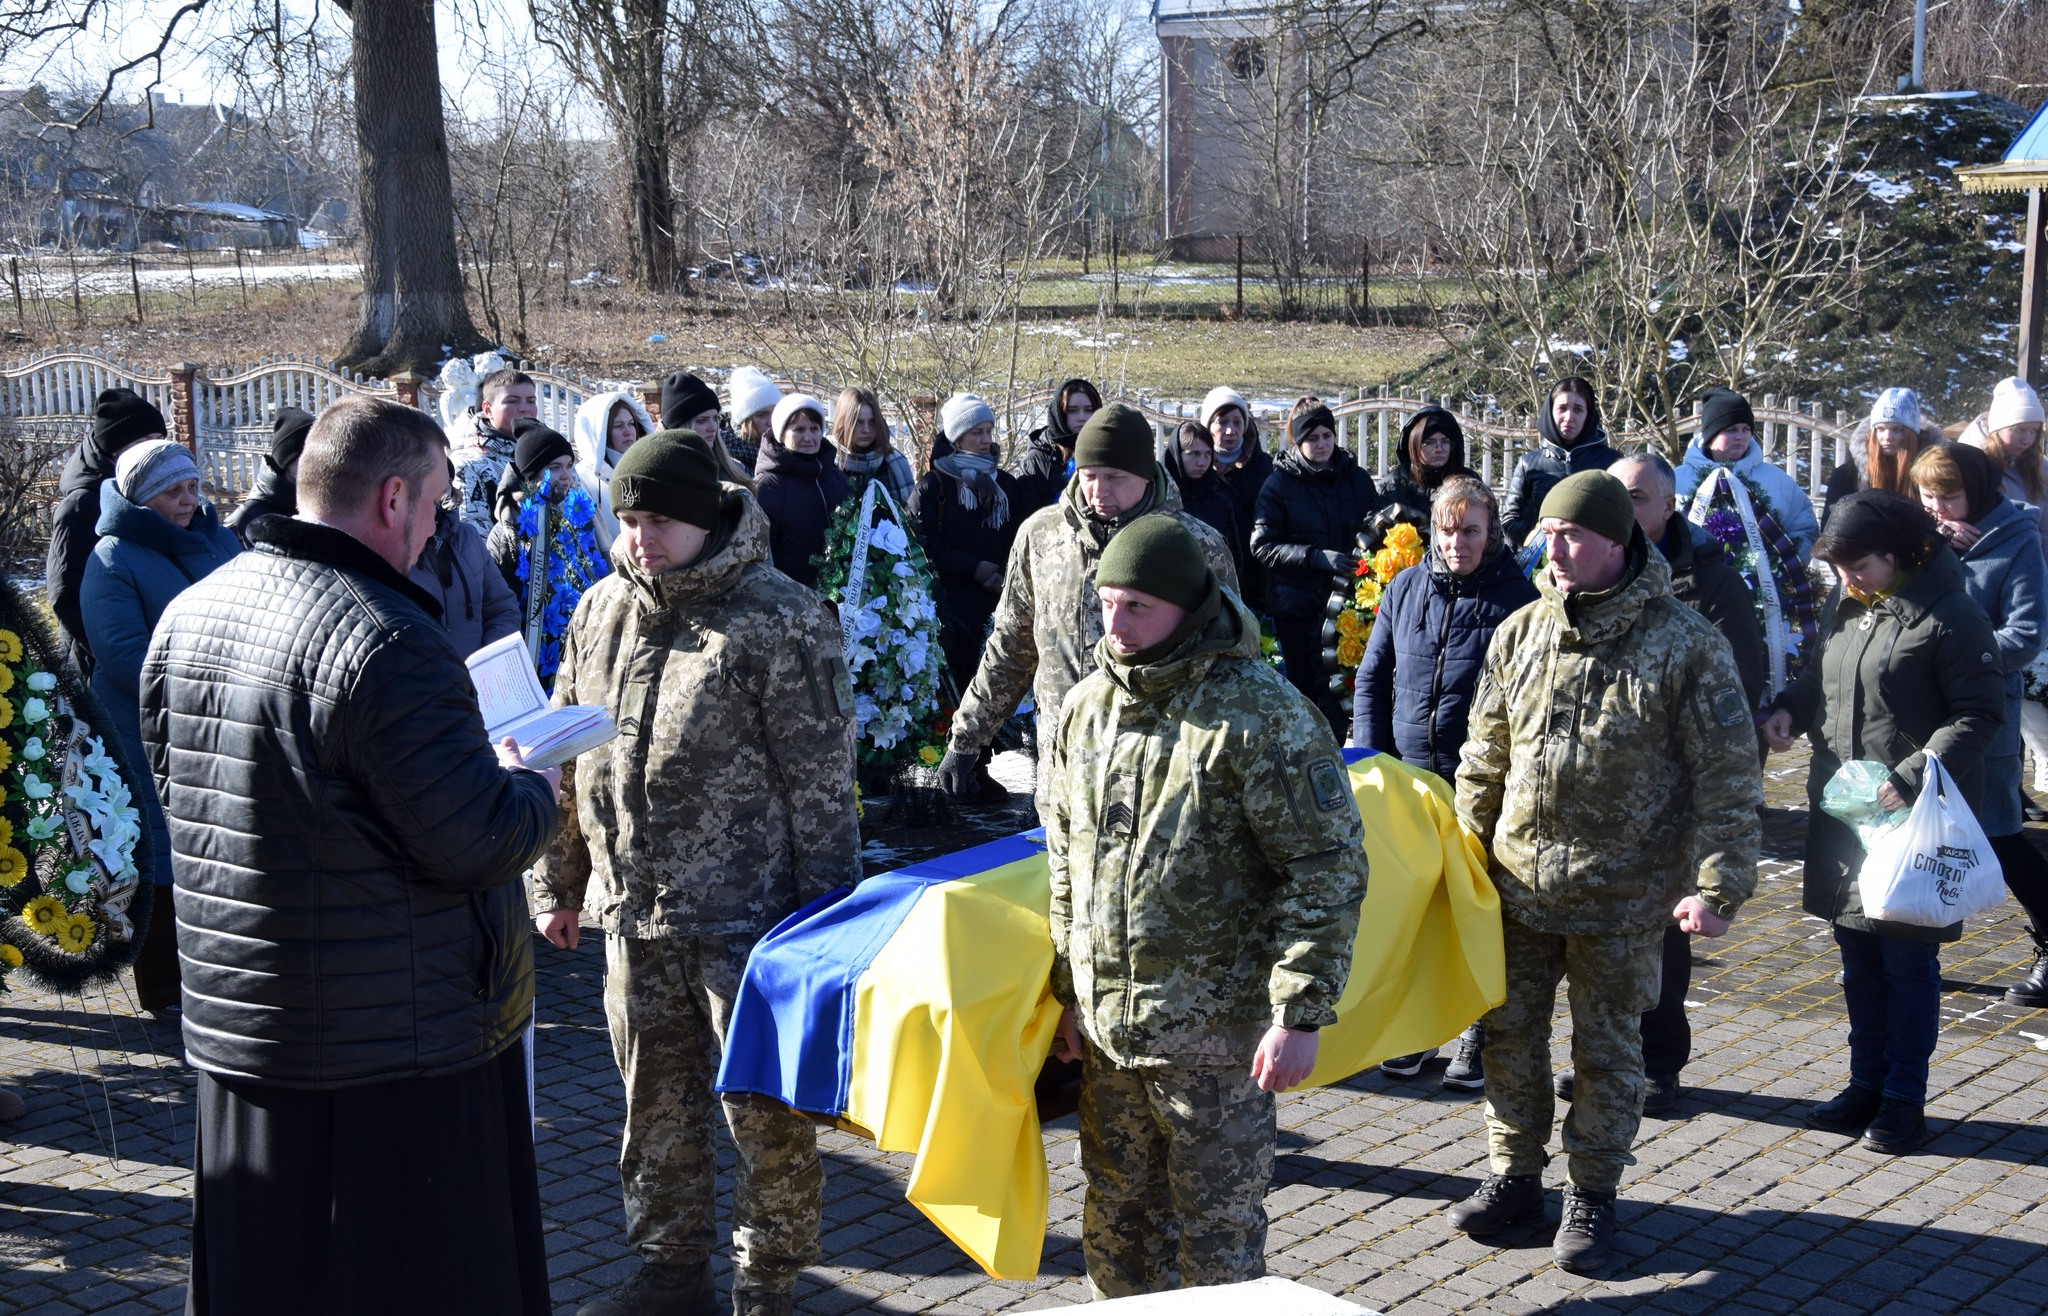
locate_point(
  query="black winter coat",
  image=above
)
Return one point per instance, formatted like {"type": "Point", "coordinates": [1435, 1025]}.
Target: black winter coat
{"type": "Point", "coordinates": [274, 495]}
{"type": "Point", "coordinates": [1703, 580]}
{"type": "Point", "coordinates": [1914, 673]}
{"type": "Point", "coordinates": [956, 541]}
{"type": "Point", "coordinates": [1245, 482]}
{"type": "Point", "coordinates": [1303, 529]}
{"type": "Point", "coordinates": [1425, 657]}
{"type": "Point", "coordinates": [1046, 463]}
{"type": "Point", "coordinates": [799, 493]}
{"type": "Point", "coordinates": [1537, 472]}
{"type": "Point", "coordinates": [347, 848]}
{"type": "Point", "coordinates": [74, 529]}
{"type": "Point", "coordinates": [1209, 501]}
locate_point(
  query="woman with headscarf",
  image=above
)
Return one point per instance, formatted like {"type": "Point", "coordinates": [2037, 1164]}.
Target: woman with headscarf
{"type": "Point", "coordinates": [1308, 520]}
{"type": "Point", "coordinates": [799, 485]}
{"type": "Point", "coordinates": [1903, 669]}
{"type": "Point", "coordinates": [1882, 449]}
{"type": "Point", "coordinates": [159, 535]}
{"type": "Point", "coordinates": [605, 427]}
{"type": "Point", "coordinates": [1048, 459]}
{"type": "Point", "coordinates": [1190, 459]}
{"type": "Point", "coordinates": [1570, 440]}
{"type": "Point", "coordinates": [964, 515]}
{"type": "Point", "coordinates": [2005, 573]}
{"type": "Point", "coordinates": [1432, 451]}
{"type": "Point", "coordinates": [864, 447]}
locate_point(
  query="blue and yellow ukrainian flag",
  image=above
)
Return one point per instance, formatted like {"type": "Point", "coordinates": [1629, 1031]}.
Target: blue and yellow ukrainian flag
{"type": "Point", "coordinates": [917, 1009]}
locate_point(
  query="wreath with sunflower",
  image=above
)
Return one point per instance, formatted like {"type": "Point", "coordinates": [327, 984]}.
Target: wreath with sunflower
{"type": "Point", "coordinates": [73, 904]}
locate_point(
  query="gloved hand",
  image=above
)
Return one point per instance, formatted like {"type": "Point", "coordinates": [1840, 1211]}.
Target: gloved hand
{"type": "Point", "coordinates": [1336, 563]}
{"type": "Point", "coordinates": [956, 774]}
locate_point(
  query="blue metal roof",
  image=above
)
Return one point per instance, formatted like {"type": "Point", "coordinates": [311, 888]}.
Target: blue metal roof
{"type": "Point", "coordinates": [2031, 146]}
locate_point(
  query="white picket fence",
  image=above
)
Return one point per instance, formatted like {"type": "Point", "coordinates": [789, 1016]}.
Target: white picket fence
{"type": "Point", "coordinates": [46, 404]}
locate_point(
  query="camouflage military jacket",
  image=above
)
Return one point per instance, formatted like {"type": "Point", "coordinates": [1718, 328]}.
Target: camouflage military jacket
{"type": "Point", "coordinates": [1610, 764]}
{"type": "Point", "coordinates": [727, 799]}
{"type": "Point", "coordinates": [1207, 857]}
{"type": "Point", "coordinates": [1048, 618]}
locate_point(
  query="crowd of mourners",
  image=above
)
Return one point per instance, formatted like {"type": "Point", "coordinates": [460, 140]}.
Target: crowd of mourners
{"type": "Point", "coordinates": [1595, 659]}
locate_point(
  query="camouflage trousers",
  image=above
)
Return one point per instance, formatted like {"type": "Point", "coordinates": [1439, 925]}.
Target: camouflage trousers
{"type": "Point", "coordinates": [1178, 1159]}
{"type": "Point", "coordinates": [1611, 981]}
{"type": "Point", "coordinates": [667, 1001]}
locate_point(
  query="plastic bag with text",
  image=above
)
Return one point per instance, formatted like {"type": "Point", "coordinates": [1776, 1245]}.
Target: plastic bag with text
{"type": "Point", "coordinates": [1938, 868]}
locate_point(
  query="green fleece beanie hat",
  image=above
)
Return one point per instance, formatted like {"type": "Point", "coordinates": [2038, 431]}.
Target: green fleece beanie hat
{"type": "Point", "coordinates": [1157, 555]}
{"type": "Point", "coordinates": [1118, 436]}
{"type": "Point", "coordinates": [670, 473]}
{"type": "Point", "coordinates": [1595, 500]}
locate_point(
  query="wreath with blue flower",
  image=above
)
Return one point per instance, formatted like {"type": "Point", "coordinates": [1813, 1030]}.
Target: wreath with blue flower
{"type": "Point", "coordinates": [574, 560]}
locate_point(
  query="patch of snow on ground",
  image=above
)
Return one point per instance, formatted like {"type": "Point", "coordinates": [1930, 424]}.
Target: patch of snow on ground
{"type": "Point", "coordinates": [1882, 188]}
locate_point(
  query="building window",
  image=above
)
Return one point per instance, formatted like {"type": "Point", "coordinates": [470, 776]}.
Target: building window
{"type": "Point", "coordinates": [1247, 60]}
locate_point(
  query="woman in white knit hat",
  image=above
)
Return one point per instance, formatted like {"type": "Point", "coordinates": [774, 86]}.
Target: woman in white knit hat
{"type": "Point", "coordinates": [2010, 431]}
{"type": "Point", "coordinates": [1245, 466]}
{"type": "Point", "coordinates": [750, 398]}
{"type": "Point", "coordinates": [963, 515]}
{"type": "Point", "coordinates": [799, 485]}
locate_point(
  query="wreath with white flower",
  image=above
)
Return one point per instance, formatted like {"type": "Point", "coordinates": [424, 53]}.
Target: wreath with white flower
{"type": "Point", "coordinates": [72, 844]}
{"type": "Point", "coordinates": [874, 570]}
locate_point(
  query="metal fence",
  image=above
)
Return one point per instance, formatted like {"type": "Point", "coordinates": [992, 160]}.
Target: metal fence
{"type": "Point", "coordinates": [46, 408]}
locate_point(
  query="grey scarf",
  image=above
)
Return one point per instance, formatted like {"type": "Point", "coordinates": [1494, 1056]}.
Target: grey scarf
{"type": "Point", "coordinates": [975, 477]}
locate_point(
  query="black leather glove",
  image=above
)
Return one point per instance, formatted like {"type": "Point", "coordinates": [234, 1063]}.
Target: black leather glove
{"type": "Point", "coordinates": [1336, 563]}
{"type": "Point", "coordinates": [956, 774]}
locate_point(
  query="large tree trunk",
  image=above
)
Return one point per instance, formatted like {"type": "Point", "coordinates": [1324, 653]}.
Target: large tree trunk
{"type": "Point", "coordinates": [653, 201]}
{"type": "Point", "coordinates": [413, 308]}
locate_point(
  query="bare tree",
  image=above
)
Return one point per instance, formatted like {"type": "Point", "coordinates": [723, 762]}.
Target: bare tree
{"type": "Point", "coordinates": [1636, 191]}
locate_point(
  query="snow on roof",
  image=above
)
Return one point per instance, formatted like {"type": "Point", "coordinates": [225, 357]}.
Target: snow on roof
{"type": "Point", "coordinates": [233, 210]}
{"type": "Point", "coordinates": [1195, 10]}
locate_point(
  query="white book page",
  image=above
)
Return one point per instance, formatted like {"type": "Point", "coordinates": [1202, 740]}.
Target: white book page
{"type": "Point", "coordinates": [507, 688]}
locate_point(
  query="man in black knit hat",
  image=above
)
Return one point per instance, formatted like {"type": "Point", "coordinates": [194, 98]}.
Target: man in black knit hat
{"type": "Point", "coordinates": [277, 484]}
{"type": "Point", "coordinates": [1048, 618]}
{"type": "Point", "coordinates": [726, 804]}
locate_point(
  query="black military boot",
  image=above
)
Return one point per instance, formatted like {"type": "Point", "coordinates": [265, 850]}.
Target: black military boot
{"type": "Point", "coordinates": [1585, 1241]}
{"type": "Point", "coordinates": [2032, 993]}
{"type": "Point", "coordinates": [760, 1302]}
{"type": "Point", "coordinates": [1849, 1113]}
{"type": "Point", "coordinates": [1900, 1126]}
{"type": "Point", "coordinates": [659, 1290]}
{"type": "Point", "coordinates": [1500, 1201]}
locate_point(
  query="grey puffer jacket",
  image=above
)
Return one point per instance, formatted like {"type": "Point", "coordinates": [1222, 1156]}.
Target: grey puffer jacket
{"type": "Point", "coordinates": [347, 847]}
{"type": "Point", "coordinates": [477, 606]}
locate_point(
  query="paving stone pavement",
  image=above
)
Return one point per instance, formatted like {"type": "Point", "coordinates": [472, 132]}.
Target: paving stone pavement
{"type": "Point", "coordinates": [1734, 1207]}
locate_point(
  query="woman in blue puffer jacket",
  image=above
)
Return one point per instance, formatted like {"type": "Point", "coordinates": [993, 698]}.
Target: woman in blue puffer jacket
{"type": "Point", "coordinates": [1428, 642]}
{"type": "Point", "coordinates": [1422, 664]}
{"type": "Point", "coordinates": [158, 536]}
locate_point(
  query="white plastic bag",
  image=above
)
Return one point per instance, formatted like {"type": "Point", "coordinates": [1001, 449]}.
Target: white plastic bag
{"type": "Point", "coordinates": [1935, 869]}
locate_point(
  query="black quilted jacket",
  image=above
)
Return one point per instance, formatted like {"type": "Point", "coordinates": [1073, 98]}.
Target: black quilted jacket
{"type": "Point", "coordinates": [347, 848]}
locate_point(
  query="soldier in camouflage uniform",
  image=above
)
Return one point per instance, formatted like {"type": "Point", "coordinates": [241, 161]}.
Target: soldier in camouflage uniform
{"type": "Point", "coordinates": [1207, 868]}
{"type": "Point", "coordinates": [1047, 620]}
{"type": "Point", "coordinates": [1610, 720]}
{"type": "Point", "coordinates": [726, 802]}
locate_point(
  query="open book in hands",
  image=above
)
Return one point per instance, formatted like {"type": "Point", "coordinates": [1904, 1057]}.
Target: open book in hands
{"type": "Point", "coordinates": [513, 704]}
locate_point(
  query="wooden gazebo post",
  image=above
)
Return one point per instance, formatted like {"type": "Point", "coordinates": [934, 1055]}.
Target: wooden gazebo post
{"type": "Point", "coordinates": [2024, 168]}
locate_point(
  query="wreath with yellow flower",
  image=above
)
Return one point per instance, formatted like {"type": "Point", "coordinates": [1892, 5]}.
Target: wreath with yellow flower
{"type": "Point", "coordinates": [73, 848]}
{"type": "Point", "coordinates": [1385, 550]}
